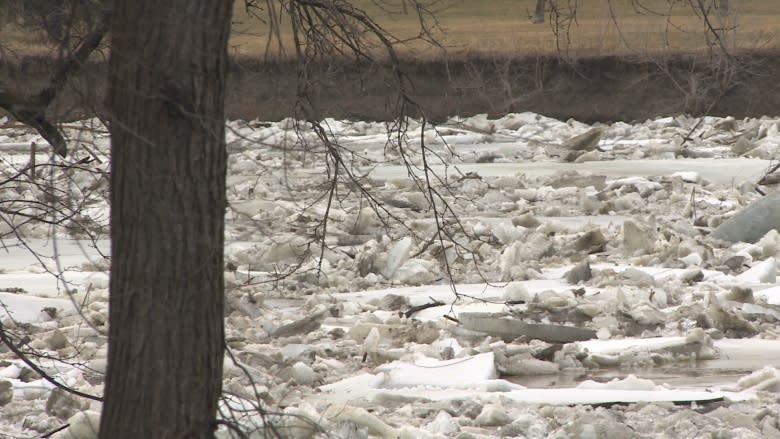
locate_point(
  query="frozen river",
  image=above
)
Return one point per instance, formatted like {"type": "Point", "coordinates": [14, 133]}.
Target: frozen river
{"type": "Point", "coordinates": [566, 300]}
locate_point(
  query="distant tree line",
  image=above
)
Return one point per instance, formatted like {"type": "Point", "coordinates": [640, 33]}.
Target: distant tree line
{"type": "Point", "coordinates": [722, 6]}
{"type": "Point", "coordinates": [56, 18]}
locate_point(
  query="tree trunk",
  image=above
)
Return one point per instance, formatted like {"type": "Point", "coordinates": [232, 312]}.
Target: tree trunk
{"type": "Point", "coordinates": [168, 168]}
{"type": "Point", "coordinates": [539, 13]}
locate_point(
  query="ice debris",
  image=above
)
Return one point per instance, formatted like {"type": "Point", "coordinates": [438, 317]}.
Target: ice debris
{"type": "Point", "coordinates": [752, 222]}
{"type": "Point", "coordinates": [511, 328]}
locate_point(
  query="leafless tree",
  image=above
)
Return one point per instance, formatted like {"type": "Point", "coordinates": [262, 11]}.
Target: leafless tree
{"type": "Point", "coordinates": [167, 184]}
{"type": "Point", "coordinates": [166, 104]}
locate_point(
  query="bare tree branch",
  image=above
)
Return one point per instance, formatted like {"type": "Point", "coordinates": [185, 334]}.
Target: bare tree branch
{"type": "Point", "coordinates": [31, 109]}
{"type": "Point", "coordinates": [7, 341]}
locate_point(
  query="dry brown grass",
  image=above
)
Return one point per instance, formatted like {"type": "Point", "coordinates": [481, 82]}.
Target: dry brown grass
{"type": "Point", "coordinates": [503, 26]}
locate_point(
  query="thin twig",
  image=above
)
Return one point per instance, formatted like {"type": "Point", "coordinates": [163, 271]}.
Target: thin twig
{"type": "Point", "coordinates": [6, 341]}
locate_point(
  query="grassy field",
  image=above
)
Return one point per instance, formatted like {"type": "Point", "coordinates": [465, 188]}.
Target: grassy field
{"type": "Point", "coordinates": [655, 77]}
{"type": "Point", "coordinates": [504, 26]}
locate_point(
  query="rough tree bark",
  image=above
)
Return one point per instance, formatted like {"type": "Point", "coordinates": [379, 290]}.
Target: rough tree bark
{"type": "Point", "coordinates": [166, 99]}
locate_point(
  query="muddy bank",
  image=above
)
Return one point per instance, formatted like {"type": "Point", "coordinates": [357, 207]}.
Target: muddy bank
{"type": "Point", "coordinates": [604, 88]}
{"type": "Point", "coordinates": [594, 88]}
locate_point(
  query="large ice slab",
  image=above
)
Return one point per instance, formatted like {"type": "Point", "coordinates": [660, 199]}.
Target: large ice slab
{"type": "Point", "coordinates": [29, 309]}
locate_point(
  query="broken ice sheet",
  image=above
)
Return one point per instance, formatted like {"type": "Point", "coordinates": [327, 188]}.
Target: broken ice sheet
{"type": "Point", "coordinates": [697, 343]}
{"type": "Point", "coordinates": [473, 377]}
{"type": "Point", "coordinates": [552, 214]}
{"type": "Point", "coordinates": [512, 328]}
{"type": "Point", "coordinates": [31, 309]}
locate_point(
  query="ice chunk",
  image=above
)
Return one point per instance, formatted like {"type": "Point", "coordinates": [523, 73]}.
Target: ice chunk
{"type": "Point", "coordinates": [513, 328]}
{"type": "Point", "coordinates": [526, 220]}
{"type": "Point", "coordinates": [447, 345]}
{"type": "Point", "coordinates": [360, 416]}
{"type": "Point", "coordinates": [629, 346]}
{"type": "Point", "coordinates": [692, 259]}
{"type": "Point", "coordinates": [304, 325]}
{"type": "Point", "coordinates": [766, 379]}
{"type": "Point", "coordinates": [492, 415]}
{"type": "Point", "coordinates": [576, 179]}
{"type": "Point", "coordinates": [688, 176]}
{"type": "Point", "coordinates": [517, 293]}
{"type": "Point", "coordinates": [27, 309]}
{"type": "Point", "coordinates": [63, 405]}
{"type": "Point", "coordinates": [630, 382]}
{"type": "Point", "coordinates": [365, 222]}
{"type": "Point", "coordinates": [764, 272]}
{"type": "Point", "coordinates": [585, 141]}
{"type": "Point", "coordinates": [691, 275]}
{"type": "Point", "coordinates": [641, 183]}
{"type": "Point", "coordinates": [11, 371]}
{"type": "Point", "coordinates": [416, 271]}
{"type": "Point", "coordinates": [636, 238]}
{"type": "Point", "coordinates": [430, 372]}
{"type": "Point", "coordinates": [444, 424]}
{"type": "Point", "coordinates": [355, 385]}
{"type": "Point", "coordinates": [590, 156]}
{"type": "Point", "coordinates": [303, 374]}
{"type": "Point", "coordinates": [592, 241]}
{"type": "Point", "coordinates": [82, 425]}
{"type": "Point", "coordinates": [32, 390]}
{"type": "Point", "coordinates": [6, 392]}
{"type": "Point", "coordinates": [765, 247]}
{"type": "Point", "coordinates": [524, 365]}
{"type": "Point", "coordinates": [752, 222]}
{"type": "Point", "coordinates": [579, 273]}
{"type": "Point", "coordinates": [397, 256]}
{"type": "Point", "coordinates": [772, 295]}
{"type": "Point", "coordinates": [301, 421]}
